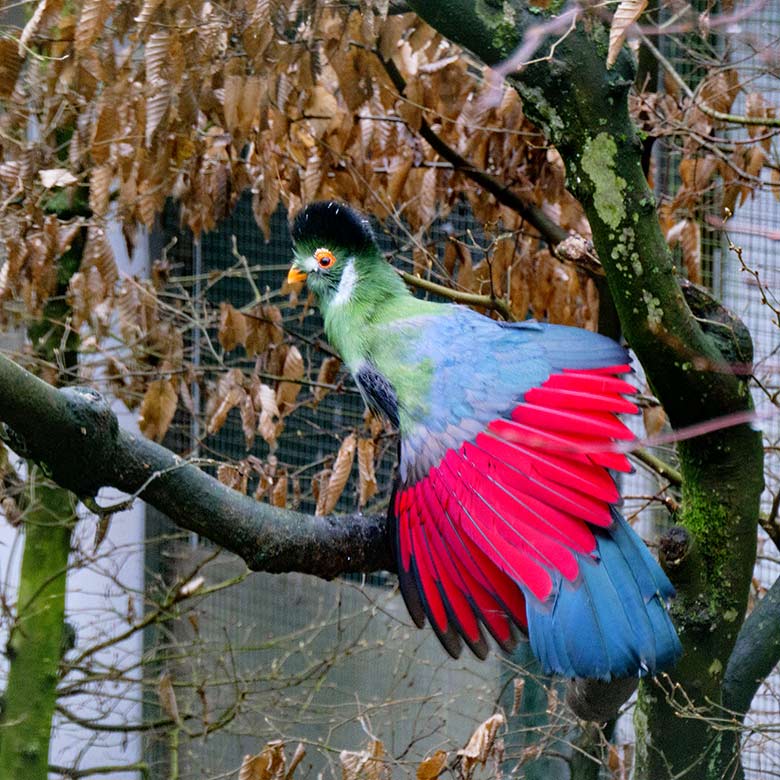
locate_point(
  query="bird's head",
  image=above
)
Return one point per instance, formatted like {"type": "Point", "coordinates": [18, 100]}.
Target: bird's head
{"type": "Point", "coordinates": [333, 248]}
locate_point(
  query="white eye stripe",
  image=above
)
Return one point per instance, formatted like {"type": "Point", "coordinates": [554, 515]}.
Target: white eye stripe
{"type": "Point", "coordinates": [346, 284]}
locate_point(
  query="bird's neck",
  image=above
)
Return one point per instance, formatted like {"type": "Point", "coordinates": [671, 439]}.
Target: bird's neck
{"type": "Point", "coordinates": [378, 295]}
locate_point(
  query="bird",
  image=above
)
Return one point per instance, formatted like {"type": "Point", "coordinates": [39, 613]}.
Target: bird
{"type": "Point", "coordinates": [505, 506]}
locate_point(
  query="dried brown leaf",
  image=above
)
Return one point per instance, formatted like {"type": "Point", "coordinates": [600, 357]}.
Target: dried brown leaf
{"type": "Point", "coordinates": [690, 241]}
{"type": "Point", "coordinates": [774, 177]}
{"type": "Point", "coordinates": [229, 394]}
{"type": "Point", "coordinates": [156, 109]}
{"type": "Point", "coordinates": [157, 409]}
{"type": "Point", "coordinates": [167, 696]}
{"type": "Point", "coordinates": [279, 491]}
{"type": "Point", "coordinates": [366, 472]}
{"type": "Point", "coordinates": [365, 764]}
{"type": "Point", "coordinates": [288, 390]}
{"type": "Point", "coordinates": [265, 400]}
{"type": "Point", "coordinates": [156, 55]}
{"type": "Point", "coordinates": [46, 9]}
{"type": "Point", "coordinates": [93, 16]}
{"type": "Point", "coordinates": [517, 698]}
{"type": "Point", "coordinates": [329, 369]}
{"type": "Point", "coordinates": [233, 476]}
{"type": "Point", "coordinates": [56, 177]}
{"type": "Point", "coordinates": [99, 254]}
{"type": "Point", "coordinates": [10, 65]}
{"type": "Point", "coordinates": [146, 12]}
{"type": "Point", "coordinates": [627, 12]}
{"type": "Point", "coordinates": [248, 420]}
{"type": "Point", "coordinates": [312, 176]}
{"type": "Point", "coordinates": [264, 328]}
{"type": "Point", "coordinates": [339, 477]}
{"type": "Point", "coordinates": [99, 189]}
{"type": "Point", "coordinates": [430, 768]}
{"type": "Point", "coordinates": [232, 327]}
{"type": "Point", "coordinates": [268, 765]}
{"type": "Point", "coordinates": [481, 745]}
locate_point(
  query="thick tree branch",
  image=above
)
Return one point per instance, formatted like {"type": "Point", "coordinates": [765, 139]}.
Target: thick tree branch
{"type": "Point", "coordinates": [74, 434]}
{"type": "Point", "coordinates": [755, 654]}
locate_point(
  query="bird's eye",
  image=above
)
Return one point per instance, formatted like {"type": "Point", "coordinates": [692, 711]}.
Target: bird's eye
{"type": "Point", "coordinates": [324, 257]}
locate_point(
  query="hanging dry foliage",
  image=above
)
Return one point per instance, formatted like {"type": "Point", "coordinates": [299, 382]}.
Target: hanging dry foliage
{"type": "Point", "coordinates": [370, 764]}
{"type": "Point", "coordinates": [367, 475]}
{"type": "Point", "coordinates": [339, 476]}
{"type": "Point", "coordinates": [157, 409]}
{"type": "Point", "coordinates": [482, 745]}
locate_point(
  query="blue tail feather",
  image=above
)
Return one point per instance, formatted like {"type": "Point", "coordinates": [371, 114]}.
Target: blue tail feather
{"type": "Point", "coordinates": [613, 623]}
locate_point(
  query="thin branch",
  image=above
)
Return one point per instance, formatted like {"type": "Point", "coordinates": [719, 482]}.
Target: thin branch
{"type": "Point", "coordinates": [469, 299]}
{"type": "Point", "coordinates": [660, 467]}
{"type": "Point", "coordinates": [721, 116]}
{"type": "Point", "coordinates": [550, 231]}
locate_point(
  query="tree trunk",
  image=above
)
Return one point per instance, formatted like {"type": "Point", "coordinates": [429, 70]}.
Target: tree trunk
{"type": "Point", "coordinates": [36, 641]}
{"type": "Point", "coordinates": [583, 109]}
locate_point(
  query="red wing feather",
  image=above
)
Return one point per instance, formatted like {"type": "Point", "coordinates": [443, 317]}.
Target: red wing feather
{"type": "Point", "coordinates": [509, 511]}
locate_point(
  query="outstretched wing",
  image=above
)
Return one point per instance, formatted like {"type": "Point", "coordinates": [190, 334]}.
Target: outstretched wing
{"type": "Point", "coordinates": [505, 477]}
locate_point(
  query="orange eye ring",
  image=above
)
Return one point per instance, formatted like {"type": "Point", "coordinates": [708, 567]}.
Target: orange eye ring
{"type": "Point", "coordinates": [324, 257]}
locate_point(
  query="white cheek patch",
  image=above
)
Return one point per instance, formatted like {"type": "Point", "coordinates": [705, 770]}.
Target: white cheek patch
{"type": "Point", "coordinates": [309, 264]}
{"type": "Point", "coordinates": [347, 284]}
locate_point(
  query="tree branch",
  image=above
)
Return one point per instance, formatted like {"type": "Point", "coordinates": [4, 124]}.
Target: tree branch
{"type": "Point", "coordinates": [755, 654]}
{"type": "Point", "coordinates": [75, 435]}
{"type": "Point", "coordinates": [573, 249]}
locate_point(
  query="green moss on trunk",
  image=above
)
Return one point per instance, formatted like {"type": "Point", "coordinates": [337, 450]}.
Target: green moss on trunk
{"type": "Point", "coordinates": [35, 645]}
{"type": "Point", "coordinates": [583, 109]}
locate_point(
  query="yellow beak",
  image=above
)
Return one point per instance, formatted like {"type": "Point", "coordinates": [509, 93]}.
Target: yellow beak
{"type": "Point", "coordinates": [295, 276]}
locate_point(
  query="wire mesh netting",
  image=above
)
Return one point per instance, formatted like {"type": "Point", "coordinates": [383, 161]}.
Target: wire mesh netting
{"type": "Point", "coordinates": [336, 704]}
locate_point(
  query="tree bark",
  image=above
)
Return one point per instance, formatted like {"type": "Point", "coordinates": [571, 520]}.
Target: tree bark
{"type": "Point", "coordinates": [74, 435]}
{"type": "Point", "coordinates": [35, 645]}
{"type": "Point", "coordinates": [583, 109]}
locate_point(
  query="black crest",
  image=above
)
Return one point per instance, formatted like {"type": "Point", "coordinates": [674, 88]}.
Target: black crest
{"type": "Point", "coordinates": [331, 223]}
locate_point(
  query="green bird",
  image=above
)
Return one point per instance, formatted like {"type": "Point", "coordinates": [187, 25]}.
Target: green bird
{"type": "Point", "coordinates": [505, 506]}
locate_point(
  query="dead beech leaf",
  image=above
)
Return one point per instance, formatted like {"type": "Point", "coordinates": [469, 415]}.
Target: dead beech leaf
{"type": "Point", "coordinates": [430, 768]}
{"type": "Point", "coordinates": [627, 12]}
{"type": "Point", "coordinates": [655, 420]}
{"type": "Point", "coordinates": [518, 685]}
{"type": "Point", "coordinates": [690, 241]}
{"type": "Point", "coordinates": [288, 390]}
{"type": "Point", "coordinates": [774, 177]}
{"type": "Point", "coordinates": [248, 420]}
{"type": "Point", "coordinates": [329, 368]}
{"type": "Point", "coordinates": [264, 399]}
{"type": "Point", "coordinates": [264, 328]}
{"type": "Point", "coordinates": [99, 189]}
{"type": "Point", "coordinates": [319, 489]}
{"type": "Point", "coordinates": [10, 65]}
{"type": "Point", "coordinates": [340, 475]}
{"type": "Point", "coordinates": [279, 491]}
{"type": "Point", "coordinates": [365, 764]}
{"type": "Point", "coordinates": [232, 327]}
{"type": "Point", "coordinates": [56, 177]}
{"type": "Point", "coordinates": [43, 9]}
{"type": "Point", "coordinates": [229, 394]}
{"type": "Point", "coordinates": [157, 409]}
{"type": "Point", "coordinates": [480, 746]}
{"type": "Point", "coordinates": [233, 476]}
{"type": "Point", "coordinates": [167, 696]}
{"type": "Point", "coordinates": [93, 15]}
{"type": "Point", "coordinates": [366, 472]}
{"type": "Point", "coordinates": [267, 765]}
